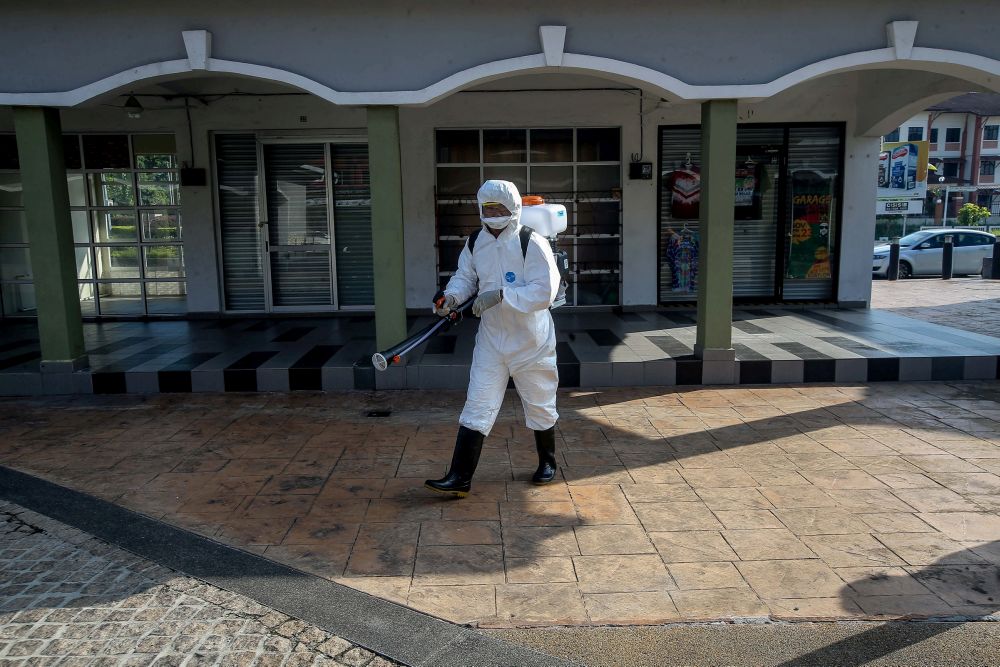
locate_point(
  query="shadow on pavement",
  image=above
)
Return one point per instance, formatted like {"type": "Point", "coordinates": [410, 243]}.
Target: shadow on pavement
{"type": "Point", "coordinates": [960, 587]}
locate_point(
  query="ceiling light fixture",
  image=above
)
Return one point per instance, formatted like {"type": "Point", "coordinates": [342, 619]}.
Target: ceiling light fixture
{"type": "Point", "coordinates": [132, 107]}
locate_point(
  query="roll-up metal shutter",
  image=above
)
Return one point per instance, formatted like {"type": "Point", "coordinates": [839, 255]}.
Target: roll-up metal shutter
{"type": "Point", "coordinates": [298, 224]}
{"type": "Point", "coordinates": [757, 150]}
{"type": "Point", "coordinates": [814, 173]}
{"type": "Point", "coordinates": [679, 148]}
{"type": "Point", "coordinates": [236, 173]}
{"type": "Point", "coordinates": [353, 225]}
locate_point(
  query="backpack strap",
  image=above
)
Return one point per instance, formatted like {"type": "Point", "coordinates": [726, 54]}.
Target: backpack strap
{"type": "Point", "coordinates": [472, 239]}
{"type": "Point", "coordinates": [525, 234]}
{"type": "Point", "coordinates": [525, 240]}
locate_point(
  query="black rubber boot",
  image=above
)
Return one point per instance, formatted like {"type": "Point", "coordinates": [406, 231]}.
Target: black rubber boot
{"type": "Point", "coordinates": [458, 481]}
{"type": "Point", "coordinates": [545, 443]}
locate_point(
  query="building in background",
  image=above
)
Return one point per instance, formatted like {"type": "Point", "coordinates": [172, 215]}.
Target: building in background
{"type": "Point", "coordinates": [964, 137]}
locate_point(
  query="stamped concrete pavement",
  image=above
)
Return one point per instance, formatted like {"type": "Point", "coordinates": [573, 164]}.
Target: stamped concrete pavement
{"type": "Point", "coordinates": [807, 502]}
{"type": "Point", "coordinates": [972, 304]}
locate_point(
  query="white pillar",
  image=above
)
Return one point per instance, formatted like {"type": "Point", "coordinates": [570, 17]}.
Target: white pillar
{"type": "Point", "coordinates": [858, 234]}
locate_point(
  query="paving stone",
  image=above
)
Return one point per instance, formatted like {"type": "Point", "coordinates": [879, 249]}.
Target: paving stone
{"type": "Point", "coordinates": [779, 579]}
{"type": "Point", "coordinates": [927, 549]}
{"type": "Point", "coordinates": [620, 574]}
{"type": "Point", "coordinates": [692, 547]}
{"type": "Point", "coordinates": [121, 617]}
{"type": "Point", "coordinates": [540, 603]}
{"type": "Point", "coordinates": [766, 544]}
{"type": "Point", "coordinates": [646, 608]}
{"type": "Point", "coordinates": [881, 581]}
{"type": "Point", "coordinates": [541, 569]}
{"type": "Point", "coordinates": [459, 604]}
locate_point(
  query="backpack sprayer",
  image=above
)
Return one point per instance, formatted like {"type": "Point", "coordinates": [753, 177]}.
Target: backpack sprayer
{"type": "Point", "coordinates": [547, 220]}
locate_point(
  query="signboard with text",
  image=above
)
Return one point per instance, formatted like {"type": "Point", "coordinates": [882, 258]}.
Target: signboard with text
{"type": "Point", "coordinates": [902, 178]}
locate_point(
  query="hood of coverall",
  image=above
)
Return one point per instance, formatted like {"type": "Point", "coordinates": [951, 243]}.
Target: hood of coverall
{"type": "Point", "coordinates": [501, 192]}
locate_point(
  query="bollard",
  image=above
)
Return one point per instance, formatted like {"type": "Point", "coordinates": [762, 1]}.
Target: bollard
{"type": "Point", "coordinates": [946, 263]}
{"type": "Point", "coordinates": [892, 273]}
{"type": "Point", "coordinates": [995, 265]}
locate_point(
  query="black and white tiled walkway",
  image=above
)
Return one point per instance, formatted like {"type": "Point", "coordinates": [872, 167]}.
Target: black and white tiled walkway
{"type": "Point", "coordinates": [772, 345]}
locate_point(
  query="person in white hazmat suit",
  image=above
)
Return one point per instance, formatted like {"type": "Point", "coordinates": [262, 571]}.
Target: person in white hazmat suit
{"type": "Point", "coordinates": [516, 335]}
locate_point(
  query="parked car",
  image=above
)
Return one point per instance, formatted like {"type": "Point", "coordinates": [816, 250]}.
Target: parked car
{"type": "Point", "coordinates": [921, 253]}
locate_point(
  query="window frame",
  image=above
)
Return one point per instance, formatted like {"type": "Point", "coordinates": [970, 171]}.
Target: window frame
{"type": "Point", "coordinates": [91, 282]}
{"type": "Point", "coordinates": [570, 240]}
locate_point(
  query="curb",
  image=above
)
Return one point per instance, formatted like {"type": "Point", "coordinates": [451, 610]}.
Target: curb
{"type": "Point", "coordinates": [397, 632]}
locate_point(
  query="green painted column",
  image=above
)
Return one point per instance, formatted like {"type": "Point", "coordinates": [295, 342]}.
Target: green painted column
{"type": "Point", "coordinates": [50, 234]}
{"type": "Point", "coordinates": [715, 263]}
{"type": "Point", "coordinates": [387, 225]}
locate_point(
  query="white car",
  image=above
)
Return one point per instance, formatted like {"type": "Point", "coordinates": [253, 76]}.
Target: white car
{"type": "Point", "coordinates": [921, 253]}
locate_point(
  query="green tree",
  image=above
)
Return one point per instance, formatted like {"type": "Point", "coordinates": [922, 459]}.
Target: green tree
{"type": "Point", "coordinates": [972, 215]}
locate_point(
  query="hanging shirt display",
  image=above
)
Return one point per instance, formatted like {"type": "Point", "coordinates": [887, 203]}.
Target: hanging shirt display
{"type": "Point", "coordinates": [685, 192]}
{"type": "Point", "coordinates": [681, 253]}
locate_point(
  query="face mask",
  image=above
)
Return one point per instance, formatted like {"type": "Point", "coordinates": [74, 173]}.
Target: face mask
{"type": "Point", "coordinates": [497, 223]}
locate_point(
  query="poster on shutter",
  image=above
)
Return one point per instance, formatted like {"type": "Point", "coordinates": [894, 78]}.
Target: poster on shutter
{"type": "Point", "coordinates": [812, 210]}
{"type": "Point", "coordinates": [749, 180]}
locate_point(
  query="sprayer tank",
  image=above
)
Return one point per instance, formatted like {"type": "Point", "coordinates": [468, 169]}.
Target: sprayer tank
{"type": "Point", "coordinates": [546, 219]}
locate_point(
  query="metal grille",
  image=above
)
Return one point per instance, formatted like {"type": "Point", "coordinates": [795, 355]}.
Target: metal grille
{"type": "Point", "coordinates": [236, 171]}
{"type": "Point", "coordinates": [757, 152]}
{"type": "Point", "coordinates": [353, 225]}
{"type": "Point", "coordinates": [565, 166]}
{"type": "Point", "coordinates": [754, 232]}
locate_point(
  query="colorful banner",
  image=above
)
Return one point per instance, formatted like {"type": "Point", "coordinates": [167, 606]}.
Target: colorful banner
{"type": "Point", "coordinates": [812, 210]}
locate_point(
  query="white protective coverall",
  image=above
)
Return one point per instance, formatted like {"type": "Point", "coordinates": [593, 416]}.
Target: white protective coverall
{"type": "Point", "coordinates": [516, 337]}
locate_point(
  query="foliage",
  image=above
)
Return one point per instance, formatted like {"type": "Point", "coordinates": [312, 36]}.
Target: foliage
{"type": "Point", "coordinates": [972, 215]}
{"type": "Point", "coordinates": [163, 252]}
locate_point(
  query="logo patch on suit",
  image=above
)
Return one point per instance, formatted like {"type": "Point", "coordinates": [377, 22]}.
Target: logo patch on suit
{"type": "Point", "coordinates": [509, 277]}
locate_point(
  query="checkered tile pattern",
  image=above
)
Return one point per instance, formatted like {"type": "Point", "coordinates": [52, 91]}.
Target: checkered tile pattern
{"type": "Point", "coordinates": [594, 350]}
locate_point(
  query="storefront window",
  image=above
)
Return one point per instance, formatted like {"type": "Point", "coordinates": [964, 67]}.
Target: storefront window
{"type": "Point", "coordinates": [579, 168]}
{"type": "Point", "coordinates": [124, 195]}
{"type": "Point", "coordinates": [774, 164]}
{"type": "Point", "coordinates": [17, 293]}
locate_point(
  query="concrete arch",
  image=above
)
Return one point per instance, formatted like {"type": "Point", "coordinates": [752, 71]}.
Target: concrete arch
{"type": "Point", "coordinates": [978, 70]}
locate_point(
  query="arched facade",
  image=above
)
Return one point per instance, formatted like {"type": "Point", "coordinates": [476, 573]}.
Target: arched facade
{"type": "Point", "coordinates": [850, 71]}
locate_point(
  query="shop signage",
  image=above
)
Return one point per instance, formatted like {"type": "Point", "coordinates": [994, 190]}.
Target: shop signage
{"type": "Point", "coordinates": [902, 178]}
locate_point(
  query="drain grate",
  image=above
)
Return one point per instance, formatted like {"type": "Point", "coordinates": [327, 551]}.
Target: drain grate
{"type": "Point", "coordinates": [379, 413]}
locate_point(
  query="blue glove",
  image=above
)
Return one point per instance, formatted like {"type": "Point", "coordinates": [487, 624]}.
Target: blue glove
{"type": "Point", "coordinates": [485, 301]}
